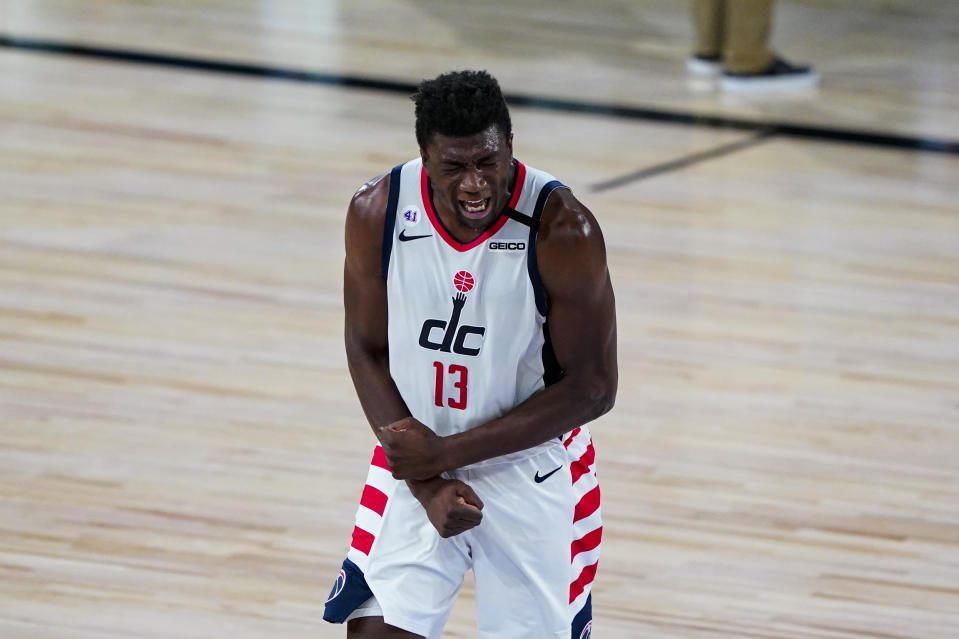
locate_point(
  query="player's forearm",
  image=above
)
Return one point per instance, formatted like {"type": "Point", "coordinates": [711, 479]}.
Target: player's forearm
{"type": "Point", "coordinates": [375, 388]}
{"type": "Point", "coordinates": [569, 403]}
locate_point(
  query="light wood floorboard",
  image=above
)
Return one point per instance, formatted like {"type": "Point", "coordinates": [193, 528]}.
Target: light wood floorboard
{"type": "Point", "coordinates": [181, 451]}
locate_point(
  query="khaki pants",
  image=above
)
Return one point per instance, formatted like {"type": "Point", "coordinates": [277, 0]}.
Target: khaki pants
{"type": "Point", "coordinates": [738, 30]}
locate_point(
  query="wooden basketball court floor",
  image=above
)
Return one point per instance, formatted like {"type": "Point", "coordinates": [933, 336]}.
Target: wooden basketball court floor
{"type": "Point", "coordinates": [181, 451]}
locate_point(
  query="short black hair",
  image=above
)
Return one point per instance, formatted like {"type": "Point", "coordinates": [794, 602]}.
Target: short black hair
{"type": "Point", "coordinates": [459, 103]}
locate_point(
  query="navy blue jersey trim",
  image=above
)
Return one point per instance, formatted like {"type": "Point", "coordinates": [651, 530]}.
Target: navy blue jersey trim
{"type": "Point", "coordinates": [349, 591]}
{"type": "Point", "coordinates": [533, 268]}
{"type": "Point", "coordinates": [552, 371]}
{"type": "Point", "coordinates": [390, 222]}
{"type": "Point", "coordinates": [583, 622]}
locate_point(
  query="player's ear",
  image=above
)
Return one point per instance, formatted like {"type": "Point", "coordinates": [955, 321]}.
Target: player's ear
{"type": "Point", "coordinates": [424, 156]}
{"type": "Point", "coordinates": [509, 144]}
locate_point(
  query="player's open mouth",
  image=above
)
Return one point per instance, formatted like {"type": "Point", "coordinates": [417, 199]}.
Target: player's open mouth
{"type": "Point", "coordinates": [475, 209]}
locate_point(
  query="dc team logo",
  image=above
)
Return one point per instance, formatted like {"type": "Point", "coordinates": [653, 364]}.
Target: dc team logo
{"type": "Point", "coordinates": [411, 215]}
{"type": "Point", "coordinates": [338, 586]}
{"type": "Point", "coordinates": [587, 631]}
{"type": "Point", "coordinates": [462, 340]}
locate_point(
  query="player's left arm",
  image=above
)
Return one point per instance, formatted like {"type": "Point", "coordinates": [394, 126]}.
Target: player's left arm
{"type": "Point", "coordinates": [571, 256]}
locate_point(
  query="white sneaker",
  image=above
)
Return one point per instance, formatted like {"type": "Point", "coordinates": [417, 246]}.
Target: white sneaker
{"type": "Point", "coordinates": [779, 76]}
{"type": "Point", "coordinates": [704, 67]}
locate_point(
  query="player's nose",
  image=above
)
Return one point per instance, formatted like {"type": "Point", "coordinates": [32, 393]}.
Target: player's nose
{"type": "Point", "coordinates": [473, 181]}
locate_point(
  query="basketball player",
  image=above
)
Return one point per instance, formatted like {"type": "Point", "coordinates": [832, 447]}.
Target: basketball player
{"type": "Point", "coordinates": [481, 337]}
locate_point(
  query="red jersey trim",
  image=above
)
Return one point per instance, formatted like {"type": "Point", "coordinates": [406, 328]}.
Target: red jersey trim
{"type": "Point", "coordinates": [488, 233]}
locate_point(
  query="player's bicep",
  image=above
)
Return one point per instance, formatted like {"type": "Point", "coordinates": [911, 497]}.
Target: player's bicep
{"type": "Point", "coordinates": [583, 328]}
{"type": "Point", "coordinates": [364, 290]}
{"type": "Point", "coordinates": [582, 312]}
{"type": "Point", "coordinates": [364, 302]}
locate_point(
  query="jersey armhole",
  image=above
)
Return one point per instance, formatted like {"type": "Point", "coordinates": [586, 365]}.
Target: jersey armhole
{"type": "Point", "coordinates": [552, 371]}
{"type": "Point", "coordinates": [541, 302]}
{"type": "Point", "coordinates": [389, 223]}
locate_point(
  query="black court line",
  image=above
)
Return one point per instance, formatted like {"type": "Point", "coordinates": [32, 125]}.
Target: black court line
{"type": "Point", "coordinates": [786, 129]}
{"type": "Point", "coordinates": [685, 161]}
{"type": "Point", "coordinates": [199, 64]}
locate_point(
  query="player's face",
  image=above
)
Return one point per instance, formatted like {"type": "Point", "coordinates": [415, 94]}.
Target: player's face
{"type": "Point", "coordinates": [471, 177]}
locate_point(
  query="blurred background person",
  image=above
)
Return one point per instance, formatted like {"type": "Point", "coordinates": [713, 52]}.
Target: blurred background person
{"type": "Point", "coordinates": [732, 43]}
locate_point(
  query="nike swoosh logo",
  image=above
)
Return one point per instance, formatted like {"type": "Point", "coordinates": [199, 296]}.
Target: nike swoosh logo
{"type": "Point", "coordinates": [540, 479]}
{"type": "Point", "coordinates": [406, 238]}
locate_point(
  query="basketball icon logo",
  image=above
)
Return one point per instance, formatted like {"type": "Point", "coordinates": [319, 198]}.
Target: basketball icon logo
{"type": "Point", "coordinates": [463, 281]}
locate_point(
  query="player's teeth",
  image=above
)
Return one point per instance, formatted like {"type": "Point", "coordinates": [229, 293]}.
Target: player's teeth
{"type": "Point", "coordinates": [475, 205]}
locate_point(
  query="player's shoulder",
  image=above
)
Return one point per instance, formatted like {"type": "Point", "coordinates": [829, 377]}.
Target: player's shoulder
{"type": "Point", "coordinates": [566, 222]}
{"type": "Point", "coordinates": [369, 202]}
{"type": "Point", "coordinates": [365, 218]}
{"type": "Point", "coordinates": [570, 251]}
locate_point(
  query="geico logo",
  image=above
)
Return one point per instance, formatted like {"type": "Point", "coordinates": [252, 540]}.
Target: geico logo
{"type": "Point", "coordinates": [507, 246]}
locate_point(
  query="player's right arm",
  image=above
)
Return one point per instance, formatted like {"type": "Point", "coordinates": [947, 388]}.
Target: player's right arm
{"type": "Point", "coordinates": [451, 506]}
{"type": "Point", "coordinates": [364, 301]}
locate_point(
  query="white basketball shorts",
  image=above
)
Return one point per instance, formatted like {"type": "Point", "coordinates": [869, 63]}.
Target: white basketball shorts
{"type": "Point", "coordinates": [533, 556]}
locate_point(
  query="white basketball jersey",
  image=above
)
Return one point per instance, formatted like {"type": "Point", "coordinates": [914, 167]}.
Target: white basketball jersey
{"type": "Point", "coordinates": [468, 339]}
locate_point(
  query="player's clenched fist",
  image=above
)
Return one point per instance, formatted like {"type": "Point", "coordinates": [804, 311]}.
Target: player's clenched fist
{"type": "Point", "coordinates": [451, 506]}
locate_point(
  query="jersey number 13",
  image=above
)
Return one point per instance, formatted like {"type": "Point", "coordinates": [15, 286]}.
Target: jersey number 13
{"type": "Point", "coordinates": [461, 377]}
